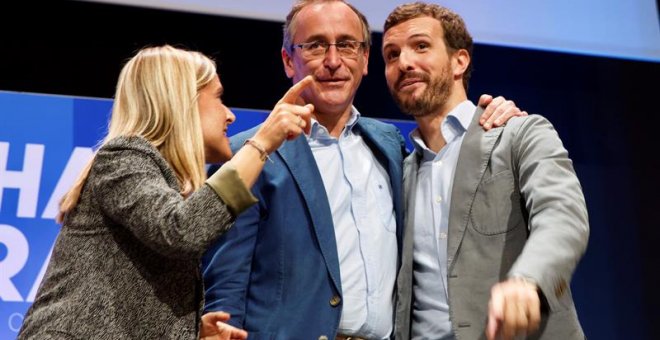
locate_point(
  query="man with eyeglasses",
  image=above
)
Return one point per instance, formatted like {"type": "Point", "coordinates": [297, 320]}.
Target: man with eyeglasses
{"type": "Point", "coordinates": [317, 257]}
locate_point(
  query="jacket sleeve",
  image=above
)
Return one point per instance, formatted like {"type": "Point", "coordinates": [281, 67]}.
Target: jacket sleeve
{"type": "Point", "coordinates": [227, 264]}
{"type": "Point", "coordinates": [558, 221]}
{"type": "Point", "coordinates": [131, 190]}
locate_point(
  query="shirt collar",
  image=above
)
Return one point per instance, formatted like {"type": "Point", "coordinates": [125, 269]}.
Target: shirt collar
{"type": "Point", "coordinates": [455, 125]}
{"type": "Point", "coordinates": [319, 131]}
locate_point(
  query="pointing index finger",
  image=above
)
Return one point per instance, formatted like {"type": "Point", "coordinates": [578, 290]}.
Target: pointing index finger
{"type": "Point", "coordinates": [291, 96]}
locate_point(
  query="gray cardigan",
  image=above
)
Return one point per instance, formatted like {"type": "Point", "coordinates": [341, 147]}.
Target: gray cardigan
{"type": "Point", "coordinates": [126, 262]}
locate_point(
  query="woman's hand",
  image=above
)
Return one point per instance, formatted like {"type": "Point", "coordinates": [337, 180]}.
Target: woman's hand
{"type": "Point", "coordinates": [287, 120]}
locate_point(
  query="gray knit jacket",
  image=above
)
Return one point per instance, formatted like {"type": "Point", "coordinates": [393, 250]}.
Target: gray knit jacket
{"type": "Point", "coordinates": [126, 262]}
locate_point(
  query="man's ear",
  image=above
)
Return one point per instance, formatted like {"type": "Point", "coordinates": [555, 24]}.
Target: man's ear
{"type": "Point", "coordinates": [288, 64]}
{"type": "Point", "coordinates": [460, 61]}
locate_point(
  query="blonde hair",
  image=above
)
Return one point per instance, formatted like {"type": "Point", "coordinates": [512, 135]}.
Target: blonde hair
{"type": "Point", "coordinates": [156, 98]}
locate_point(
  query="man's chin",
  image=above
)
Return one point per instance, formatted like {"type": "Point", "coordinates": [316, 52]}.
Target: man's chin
{"type": "Point", "coordinates": [336, 96]}
{"type": "Point", "coordinates": [331, 103]}
{"type": "Point", "coordinates": [406, 100]}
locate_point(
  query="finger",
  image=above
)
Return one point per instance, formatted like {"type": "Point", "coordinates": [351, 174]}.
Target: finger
{"type": "Point", "coordinates": [488, 111]}
{"type": "Point", "coordinates": [495, 312]}
{"type": "Point", "coordinates": [223, 330]}
{"type": "Point", "coordinates": [521, 321]}
{"type": "Point", "coordinates": [308, 119]}
{"type": "Point", "coordinates": [497, 301]}
{"type": "Point", "coordinates": [239, 334]}
{"type": "Point", "coordinates": [294, 92]}
{"type": "Point", "coordinates": [226, 331]}
{"type": "Point", "coordinates": [292, 126]}
{"type": "Point", "coordinates": [502, 113]}
{"type": "Point", "coordinates": [300, 116]}
{"type": "Point", "coordinates": [509, 319]}
{"type": "Point", "coordinates": [289, 115]}
{"type": "Point", "coordinates": [298, 110]}
{"type": "Point", "coordinates": [213, 317]}
{"type": "Point", "coordinates": [484, 100]}
{"type": "Point", "coordinates": [505, 112]}
{"type": "Point", "coordinates": [294, 132]}
{"type": "Point", "coordinates": [534, 313]}
{"type": "Point", "coordinates": [492, 327]}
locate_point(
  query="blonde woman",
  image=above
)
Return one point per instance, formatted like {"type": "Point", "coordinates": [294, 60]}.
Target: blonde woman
{"type": "Point", "coordinates": [136, 223]}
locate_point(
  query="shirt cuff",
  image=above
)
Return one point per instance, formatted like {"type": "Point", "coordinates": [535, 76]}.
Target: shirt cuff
{"type": "Point", "coordinates": [230, 188]}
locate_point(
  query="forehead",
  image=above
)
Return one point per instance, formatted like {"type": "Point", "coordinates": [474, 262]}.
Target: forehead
{"type": "Point", "coordinates": [214, 86]}
{"type": "Point", "coordinates": [327, 19]}
{"type": "Point", "coordinates": [417, 27]}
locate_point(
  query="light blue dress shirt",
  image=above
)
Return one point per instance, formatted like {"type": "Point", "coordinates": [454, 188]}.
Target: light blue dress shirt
{"type": "Point", "coordinates": [430, 316]}
{"type": "Point", "coordinates": [360, 196]}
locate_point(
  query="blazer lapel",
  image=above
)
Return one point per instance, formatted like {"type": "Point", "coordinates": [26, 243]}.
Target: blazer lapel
{"type": "Point", "coordinates": [298, 157]}
{"type": "Point", "coordinates": [384, 143]}
{"type": "Point", "coordinates": [410, 168]}
{"type": "Point", "coordinates": [472, 162]}
{"type": "Point", "coordinates": [387, 149]}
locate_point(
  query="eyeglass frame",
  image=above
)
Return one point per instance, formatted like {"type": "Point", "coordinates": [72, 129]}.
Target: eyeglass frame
{"type": "Point", "coordinates": [353, 54]}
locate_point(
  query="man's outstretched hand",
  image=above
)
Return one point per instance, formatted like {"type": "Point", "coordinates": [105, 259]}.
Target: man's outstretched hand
{"type": "Point", "coordinates": [214, 328]}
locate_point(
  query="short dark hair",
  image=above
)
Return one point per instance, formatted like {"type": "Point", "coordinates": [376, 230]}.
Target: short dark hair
{"type": "Point", "coordinates": [287, 39]}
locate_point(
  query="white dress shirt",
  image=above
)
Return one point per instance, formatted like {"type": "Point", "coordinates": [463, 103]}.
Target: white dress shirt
{"type": "Point", "coordinates": [430, 316]}
{"type": "Point", "coordinates": [360, 195]}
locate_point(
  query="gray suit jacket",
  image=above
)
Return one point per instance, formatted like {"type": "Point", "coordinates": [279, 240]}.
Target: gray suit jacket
{"type": "Point", "coordinates": [126, 262]}
{"type": "Point", "coordinates": [517, 208]}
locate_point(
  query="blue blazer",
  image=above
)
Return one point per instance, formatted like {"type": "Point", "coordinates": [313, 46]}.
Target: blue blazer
{"type": "Point", "coordinates": [277, 271]}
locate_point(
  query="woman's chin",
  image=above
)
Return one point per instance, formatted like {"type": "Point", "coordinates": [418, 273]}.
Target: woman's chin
{"type": "Point", "coordinates": [219, 157]}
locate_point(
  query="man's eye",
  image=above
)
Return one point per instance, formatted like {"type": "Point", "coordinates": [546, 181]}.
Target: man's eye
{"type": "Point", "coordinates": [389, 56]}
{"type": "Point", "coordinates": [422, 46]}
{"type": "Point", "coordinates": [315, 45]}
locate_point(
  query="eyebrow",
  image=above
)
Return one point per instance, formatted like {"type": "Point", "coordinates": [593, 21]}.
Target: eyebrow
{"type": "Point", "coordinates": [412, 37]}
{"type": "Point", "coordinates": [419, 35]}
{"type": "Point", "coordinates": [320, 37]}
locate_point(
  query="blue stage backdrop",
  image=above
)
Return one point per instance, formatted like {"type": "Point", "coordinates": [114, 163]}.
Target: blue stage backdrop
{"type": "Point", "coordinates": [45, 141]}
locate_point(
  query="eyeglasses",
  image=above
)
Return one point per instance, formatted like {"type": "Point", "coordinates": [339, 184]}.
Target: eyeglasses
{"type": "Point", "coordinates": [317, 49]}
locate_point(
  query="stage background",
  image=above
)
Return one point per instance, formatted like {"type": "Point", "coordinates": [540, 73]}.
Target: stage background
{"type": "Point", "coordinates": [605, 116]}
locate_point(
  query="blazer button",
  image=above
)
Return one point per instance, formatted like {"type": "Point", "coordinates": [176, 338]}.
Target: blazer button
{"type": "Point", "coordinates": [335, 300]}
{"type": "Point", "coordinates": [323, 337]}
